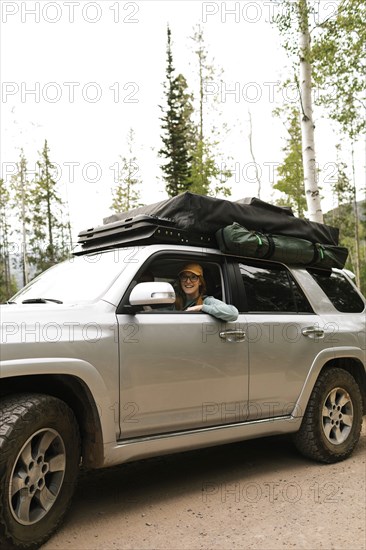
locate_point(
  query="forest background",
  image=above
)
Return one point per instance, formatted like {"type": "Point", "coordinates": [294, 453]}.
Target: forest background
{"type": "Point", "coordinates": [109, 105]}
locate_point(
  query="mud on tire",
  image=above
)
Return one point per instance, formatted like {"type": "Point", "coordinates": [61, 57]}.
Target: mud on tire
{"type": "Point", "coordinates": [39, 462]}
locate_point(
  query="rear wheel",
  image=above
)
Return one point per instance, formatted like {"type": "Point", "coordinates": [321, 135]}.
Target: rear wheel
{"type": "Point", "coordinates": [39, 461]}
{"type": "Point", "coordinates": [332, 422]}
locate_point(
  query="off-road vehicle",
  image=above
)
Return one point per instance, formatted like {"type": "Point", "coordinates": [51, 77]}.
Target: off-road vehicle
{"type": "Point", "coordinates": [96, 369]}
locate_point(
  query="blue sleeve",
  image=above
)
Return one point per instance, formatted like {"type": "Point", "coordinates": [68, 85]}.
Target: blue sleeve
{"type": "Point", "coordinates": [219, 309]}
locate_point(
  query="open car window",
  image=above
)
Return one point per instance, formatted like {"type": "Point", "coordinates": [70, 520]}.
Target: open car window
{"type": "Point", "coordinates": [165, 268]}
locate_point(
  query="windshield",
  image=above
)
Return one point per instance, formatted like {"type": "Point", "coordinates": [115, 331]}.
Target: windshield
{"type": "Point", "coordinates": [80, 279]}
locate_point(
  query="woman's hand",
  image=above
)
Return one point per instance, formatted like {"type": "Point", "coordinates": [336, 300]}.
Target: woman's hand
{"type": "Point", "coordinates": [194, 308]}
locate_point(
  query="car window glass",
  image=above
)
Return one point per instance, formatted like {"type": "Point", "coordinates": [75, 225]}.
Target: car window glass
{"type": "Point", "coordinates": [302, 303]}
{"type": "Point", "coordinates": [79, 279]}
{"type": "Point", "coordinates": [339, 291]}
{"type": "Point", "coordinates": [272, 289]}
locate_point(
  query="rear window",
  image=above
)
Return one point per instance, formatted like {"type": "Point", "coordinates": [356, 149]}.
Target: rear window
{"type": "Point", "coordinates": [339, 290]}
{"type": "Point", "coordinates": [272, 289]}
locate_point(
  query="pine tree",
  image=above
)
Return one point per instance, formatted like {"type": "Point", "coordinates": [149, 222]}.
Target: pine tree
{"type": "Point", "coordinates": [177, 129]}
{"type": "Point", "coordinates": [291, 172]}
{"type": "Point", "coordinates": [50, 224]}
{"type": "Point", "coordinates": [21, 205]}
{"type": "Point", "coordinates": [7, 285]}
{"type": "Point", "coordinates": [209, 173]}
{"type": "Point", "coordinates": [126, 194]}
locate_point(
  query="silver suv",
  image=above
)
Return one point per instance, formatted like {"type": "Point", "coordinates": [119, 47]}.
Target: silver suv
{"type": "Point", "coordinates": [96, 368]}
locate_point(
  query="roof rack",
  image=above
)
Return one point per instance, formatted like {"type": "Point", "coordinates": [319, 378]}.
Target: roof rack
{"type": "Point", "coordinates": [140, 229]}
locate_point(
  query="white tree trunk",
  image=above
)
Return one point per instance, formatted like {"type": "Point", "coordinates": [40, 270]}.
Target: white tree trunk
{"type": "Point", "coordinates": [257, 176]}
{"type": "Point", "coordinates": [307, 125]}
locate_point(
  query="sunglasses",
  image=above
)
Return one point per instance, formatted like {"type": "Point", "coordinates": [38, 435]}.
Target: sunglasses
{"type": "Point", "coordinates": [184, 278]}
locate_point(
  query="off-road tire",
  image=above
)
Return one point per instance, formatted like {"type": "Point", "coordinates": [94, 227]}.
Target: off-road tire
{"type": "Point", "coordinates": [40, 451]}
{"type": "Point", "coordinates": [336, 397]}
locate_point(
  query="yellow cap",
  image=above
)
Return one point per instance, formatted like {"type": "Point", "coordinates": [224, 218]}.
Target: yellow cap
{"type": "Point", "coordinates": [193, 268]}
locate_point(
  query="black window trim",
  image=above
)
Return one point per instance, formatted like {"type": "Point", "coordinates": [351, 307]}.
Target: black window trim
{"type": "Point", "coordinates": [125, 308]}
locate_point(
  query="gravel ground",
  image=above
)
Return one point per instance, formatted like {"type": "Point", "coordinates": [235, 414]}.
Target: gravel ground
{"type": "Point", "coordinates": [257, 494]}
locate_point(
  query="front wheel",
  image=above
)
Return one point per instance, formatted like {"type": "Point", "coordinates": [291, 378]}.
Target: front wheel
{"type": "Point", "coordinates": [332, 422]}
{"type": "Point", "coordinates": [39, 462]}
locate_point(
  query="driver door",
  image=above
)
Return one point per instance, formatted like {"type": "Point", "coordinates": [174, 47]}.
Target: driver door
{"type": "Point", "coordinates": [177, 373]}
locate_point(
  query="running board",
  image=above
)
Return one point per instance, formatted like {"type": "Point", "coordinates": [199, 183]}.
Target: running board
{"type": "Point", "coordinates": [154, 445]}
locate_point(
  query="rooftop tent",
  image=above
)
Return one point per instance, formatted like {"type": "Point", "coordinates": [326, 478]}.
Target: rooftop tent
{"type": "Point", "coordinates": [202, 214]}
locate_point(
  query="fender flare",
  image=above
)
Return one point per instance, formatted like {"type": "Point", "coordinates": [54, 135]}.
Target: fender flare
{"type": "Point", "coordinates": [346, 352]}
{"type": "Point", "coordinates": [76, 368]}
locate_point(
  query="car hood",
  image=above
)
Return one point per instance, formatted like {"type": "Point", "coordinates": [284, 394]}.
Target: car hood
{"type": "Point", "coordinates": [21, 322]}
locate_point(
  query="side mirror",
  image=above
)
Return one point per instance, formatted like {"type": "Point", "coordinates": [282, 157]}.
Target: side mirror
{"type": "Point", "coordinates": [146, 294]}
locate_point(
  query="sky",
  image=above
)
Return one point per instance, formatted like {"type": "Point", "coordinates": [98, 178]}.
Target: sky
{"type": "Point", "coordinates": [81, 74]}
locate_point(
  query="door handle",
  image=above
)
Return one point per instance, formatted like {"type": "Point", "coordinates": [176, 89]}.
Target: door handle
{"type": "Point", "coordinates": [313, 332]}
{"type": "Point", "coordinates": [233, 335]}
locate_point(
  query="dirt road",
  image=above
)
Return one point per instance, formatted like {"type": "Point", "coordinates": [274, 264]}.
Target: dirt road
{"type": "Point", "coordinates": [257, 494]}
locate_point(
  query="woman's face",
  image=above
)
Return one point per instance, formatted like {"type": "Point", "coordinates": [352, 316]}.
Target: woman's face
{"type": "Point", "coordinates": [190, 284]}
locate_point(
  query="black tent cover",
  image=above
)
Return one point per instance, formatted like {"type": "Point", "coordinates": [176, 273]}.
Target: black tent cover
{"type": "Point", "coordinates": [204, 214]}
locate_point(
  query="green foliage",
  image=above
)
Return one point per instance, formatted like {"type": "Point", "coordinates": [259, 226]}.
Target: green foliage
{"type": "Point", "coordinates": [337, 56]}
{"type": "Point", "coordinates": [193, 161]}
{"type": "Point", "coordinates": [362, 232]}
{"type": "Point", "coordinates": [126, 194]}
{"type": "Point", "coordinates": [208, 176]}
{"type": "Point", "coordinates": [294, 24]}
{"type": "Point", "coordinates": [8, 287]}
{"type": "Point", "coordinates": [7, 283]}
{"type": "Point", "coordinates": [343, 216]}
{"type": "Point", "coordinates": [50, 230]}
{"type": "Point", "coordinates": [177, 129]}
{"type": "Point", "coordinates": [21, 204]}
{"type": "Point", "coordinates": [352, 227]}
{"type": "Point", "coordinates": [38, 223]}
{"type": "Point", "coordinates": [338, 60]}
{"type": "Point", "coordinates": [291, 18]}
{"type": "Point", "coordinates": [209, 171]}
{"type": "Point", "coordinates": [291, 171]}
